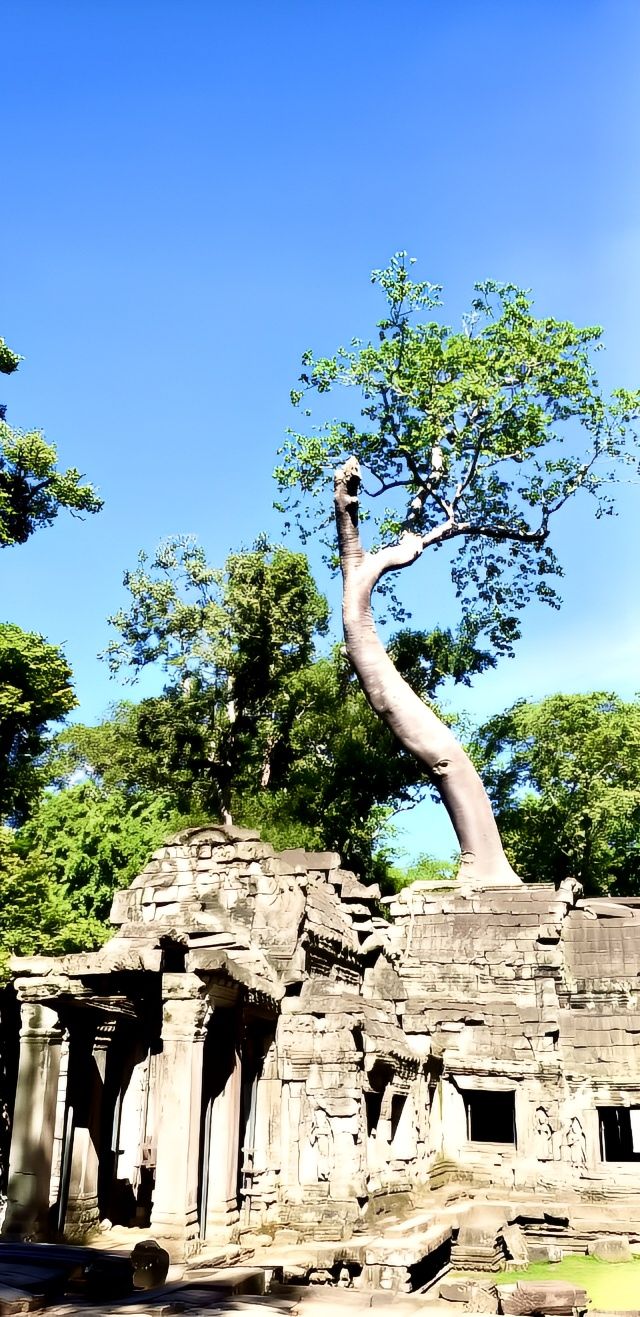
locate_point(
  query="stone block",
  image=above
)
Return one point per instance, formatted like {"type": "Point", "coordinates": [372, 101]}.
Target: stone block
{"type": "Point", "coordinates": [14, 1300]}
{"type": "Point", "coordinates": [611, 1248]}
{"type": "Point", "coordinates": [551, 1298]}
{"type": "Point", "coordinates": [515, 1243]}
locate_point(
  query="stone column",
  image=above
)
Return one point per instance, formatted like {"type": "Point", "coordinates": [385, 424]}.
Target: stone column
{"type": "Point", "coordinates": [34, 1117]}
{"type": "Point", "coordinates": [222, 1197]}
{"type": "Point", "coordinates": [88, 1064]}
{"type": "Point", "coordinates": [174, 1216]}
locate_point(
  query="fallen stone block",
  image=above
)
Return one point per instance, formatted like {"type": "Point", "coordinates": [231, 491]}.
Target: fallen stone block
{"type": "Point", "coordinates": [515, 1244]}
{"type": "Point", "coordinates": [611, 1248]}
{"type": "Point", "coordinates": [476, 1297]}
{"type": "Point", "coordinates": [13, 1300]}
{"type": "Point", "coordinates": [542, 1299]}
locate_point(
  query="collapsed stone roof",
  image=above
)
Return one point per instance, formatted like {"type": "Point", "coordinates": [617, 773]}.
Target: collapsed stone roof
{"type": "Point", "coordinates": [222, 900]}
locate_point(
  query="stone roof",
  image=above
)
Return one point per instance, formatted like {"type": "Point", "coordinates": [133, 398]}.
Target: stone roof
{"type": "Point", "coordinates": [234, 907]}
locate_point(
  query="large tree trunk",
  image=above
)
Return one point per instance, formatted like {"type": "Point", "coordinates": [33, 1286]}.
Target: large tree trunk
{"type": "Point", "coordinates": [483, 861]}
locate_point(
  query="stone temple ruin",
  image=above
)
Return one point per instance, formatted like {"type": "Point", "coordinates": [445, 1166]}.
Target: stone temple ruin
{"type": "Point", "coordinates": [259, 1053]}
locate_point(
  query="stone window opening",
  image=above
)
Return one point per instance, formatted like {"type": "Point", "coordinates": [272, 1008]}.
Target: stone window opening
{"type": "Point", "coordinates": [619, 1129]}
{"type": "Point", "coordinates": [491, 1115]}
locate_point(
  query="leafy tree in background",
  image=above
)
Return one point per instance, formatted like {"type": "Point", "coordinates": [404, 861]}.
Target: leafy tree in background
{"type": "Point", "coordinates": [563, 775]}
{"type": "Point", "coordinates": [9, 361]}
{"type": "Point", "coordinates": [94, 841]}
{"type": "Point", "coordinates": [35, 690]}
{"type": "Point", "coordinates": [229, 644]}
{"type": "Point", "coordinates": [425, 869]}
{"type": "Point", "coordinates": [32, 489]}
{"type": "Point", "coordinates": [473, 439]}
{"type": "Point", "coordinates": [36, 915]}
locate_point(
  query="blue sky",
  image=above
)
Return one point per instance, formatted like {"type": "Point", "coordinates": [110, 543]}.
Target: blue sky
{"type": "Point", "coordinates": [196, 192]}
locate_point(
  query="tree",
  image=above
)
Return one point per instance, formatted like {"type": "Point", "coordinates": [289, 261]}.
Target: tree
{"type": "Point", "coordinates": [425, 869]}
{"type": "Point", "coordinates": [229, 643]}
{"type": "Point", "coordinates": [35, 689]}
{"type": "Point", "coordinates": [564, 778]}
{"type": "Point", "coordinates": [35, 916]}
{"type": "Point", "coordinates": [474, 439]}
{"type": "Point", "coordinates": [91, 842]}
{"type": "Point", "coordinates": [32, 489]}
{"type": "Point", "coordinates": [252, 721]}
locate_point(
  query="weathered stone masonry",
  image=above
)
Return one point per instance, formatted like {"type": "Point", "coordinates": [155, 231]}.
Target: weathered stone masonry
{"type": "Point", "coordinates": [257, 1048]}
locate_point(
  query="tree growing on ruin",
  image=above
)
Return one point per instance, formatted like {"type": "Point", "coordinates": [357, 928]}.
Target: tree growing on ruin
{"type": "Point", "coordinates": [253, 720]}
{"type": "Point", "coordinates": [472, 439]}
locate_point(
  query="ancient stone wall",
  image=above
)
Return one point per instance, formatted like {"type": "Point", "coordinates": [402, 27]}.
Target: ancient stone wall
{"type": "Point", "coordinates": [274, 1054]}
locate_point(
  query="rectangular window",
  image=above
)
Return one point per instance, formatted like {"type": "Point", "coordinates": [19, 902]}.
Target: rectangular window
{"type": "Point", "coordinates": [491, 1116]}
{"type": "Point", "coordinates": [619, 1134]}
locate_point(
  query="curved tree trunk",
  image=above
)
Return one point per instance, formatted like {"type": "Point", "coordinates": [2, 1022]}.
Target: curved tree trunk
{"type": "Point", "coordinates": [417, 727]}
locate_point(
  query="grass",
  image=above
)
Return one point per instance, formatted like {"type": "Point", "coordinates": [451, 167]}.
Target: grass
{"type": "Point", "coordinates": [610, 1285]}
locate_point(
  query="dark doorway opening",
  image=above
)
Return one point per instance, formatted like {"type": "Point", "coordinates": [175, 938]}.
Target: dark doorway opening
{"type": "Point", "coordinates": [373, 1108]}
{"type": "Point", "coordinates": [491, 1115]}
{"type": "Point", "coordinates": [219, 1059]}
{"type": "Point", "coordinates": [398, 1103]}
{"type": "Point", "coordinates": [619, 1134]}
{"type": "Point", "coordinates": [259, 1035]}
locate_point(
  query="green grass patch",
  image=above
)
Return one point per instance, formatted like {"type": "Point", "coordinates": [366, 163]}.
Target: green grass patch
{"type": "Point", "coordinates": [610, 1285]}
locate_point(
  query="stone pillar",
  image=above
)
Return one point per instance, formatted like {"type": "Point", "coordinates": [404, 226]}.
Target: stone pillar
{"type": "Point", "coordinates": [174, 1216]}
{"type": "Point", "coordinates": [85, 1090]}
{"type": "Point", "coordinates": [34, 1117]}
{"type": "Point", "coordinates": [222, 1196]}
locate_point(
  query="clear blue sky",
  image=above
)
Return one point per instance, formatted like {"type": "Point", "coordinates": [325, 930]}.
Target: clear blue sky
{"type": "Point", "coordinates": [194, 192]}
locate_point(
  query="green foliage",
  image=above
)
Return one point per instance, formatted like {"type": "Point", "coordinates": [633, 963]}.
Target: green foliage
{"type": "Point", "coordinates": [58, 873]}
{"type": "Point", "coordinates": [36, 916]}
{"type": "Point", "coordinates": [251, 721]}
{"type": "Point", "coordinates": [95, 841]}
{"type": "Point", "coordinates": [476, 435]}
{"type": "Point", "coordinates": [563, 775]}
{"type": "Point", "coordinates": [161, 746]}
{"type": "Point", "coordinates": [35, 689]}
{"type": "Point", "coordinates": [263, 608]}
{"type": "Point", "coordinates": [425, 869]}
{"type": "Point", "coordinates": [341, 775]}
{"type": "Point", "coordinates": [9, 361]}
{"type": "Point", "coordinates": [229, 643]}
{"type": "Point", "coordinates": [32, 489]}
{"type": "Point", "coordinates": [40, 911]}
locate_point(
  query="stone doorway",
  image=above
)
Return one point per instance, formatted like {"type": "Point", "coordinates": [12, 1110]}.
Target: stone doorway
{"type": "Point", "coordinates": [219, 1127]}
{"type": "Point", "coordinates": [259, 1040]}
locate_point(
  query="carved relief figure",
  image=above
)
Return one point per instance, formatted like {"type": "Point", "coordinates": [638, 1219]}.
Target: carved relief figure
{"type": "Point", "coordinates": [316, 1144]}
{"type": "Point", "coordinates": [543, 1136]}
{"type": "Point", "coordinates": [577, 1143]}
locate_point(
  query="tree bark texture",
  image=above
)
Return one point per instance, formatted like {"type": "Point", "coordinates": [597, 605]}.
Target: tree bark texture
{"type": "Point", "coordinates": [417, 727]}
